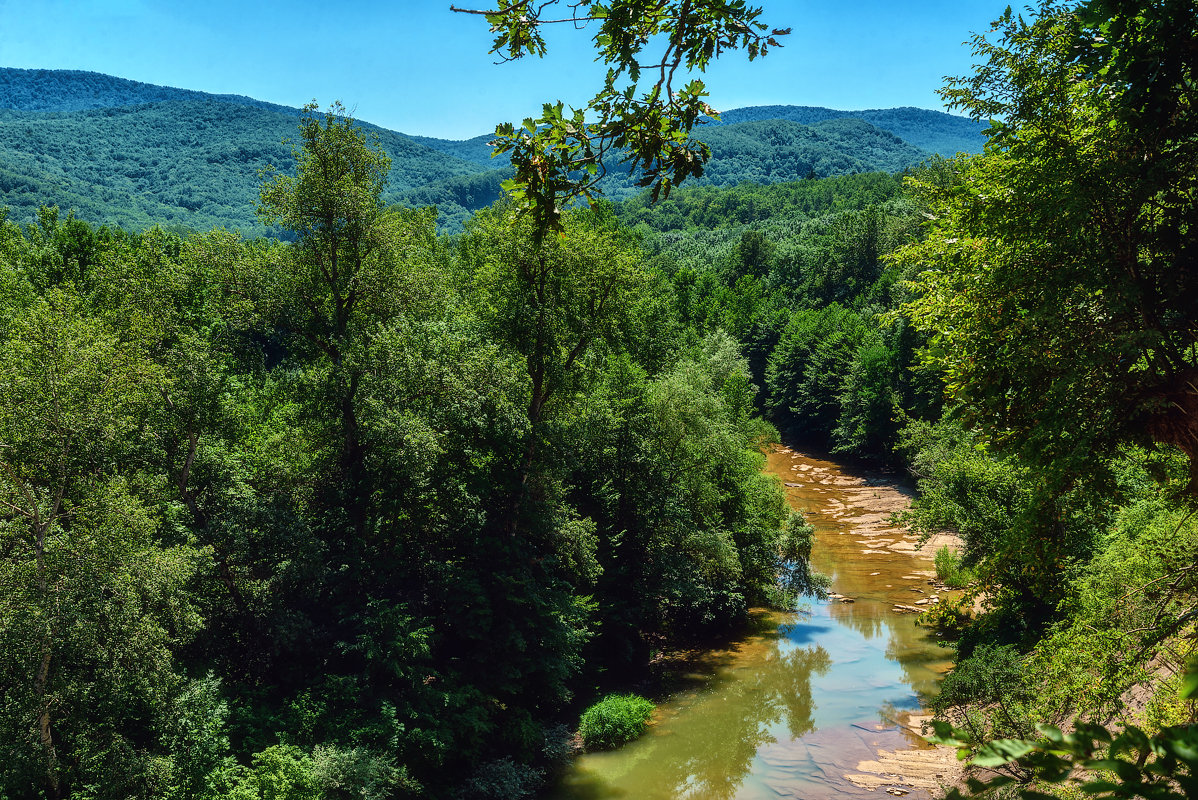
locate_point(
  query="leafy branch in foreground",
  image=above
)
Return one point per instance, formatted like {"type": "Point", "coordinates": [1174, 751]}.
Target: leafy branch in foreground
{"type": "Point", "coordinates": [559, 157]}
{"type": "Point", "coordinates": [1103, 764]}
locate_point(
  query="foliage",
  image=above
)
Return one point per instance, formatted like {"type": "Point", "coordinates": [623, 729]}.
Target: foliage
{"type": "Point", "coordinates": [559, 156]}
{"type": "Point", "coordinates": [189, 165]}
{"type": "Point", "coordinates": [803, 285]}
{"type": "Point", "coordinates": [59, 90]}
{"type": "Point", "coordinates": [694, 207]}
{"type": "Point", "coordinates": [932, 131]}
{"type": "Point", "coordinates": [797, 577]}
{"type": "Point", "coordinates": [1129, 764]}
{"type": "Point", "coordinates": [188, 160]}
{"type": "Point", "coordinates": [145, 165]}
{"type": "Point", "coordinates": [1010, 529]}
{"type": "Point", "coordinates": [951, 617]}
{"type": "Point", "coordinates": [1058, 267]}
{"type": "Point", "coordinates": [502, 779]}
{"type": "Point", "coordinates": [614, 720]}
{"type": "Point", "coordinates": [806, 368]}
{"type": "Point", "coordinates": [396, 501]}
{"type": "Point", "coordinates": [949, 569]}
{"type": "Point", "coordinates": [1117, 631]}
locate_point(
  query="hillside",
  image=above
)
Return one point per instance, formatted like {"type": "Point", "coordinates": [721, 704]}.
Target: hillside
{"type": "Point", "coordinates": [770, 151]}
{"type": "Point", "coordinates": [477, 149]}
{"type": "Point", "coordinates": [190, 163]}
{"type": "Point", "coordinates": [77, 90]}
{"type": "Point", "coordinates": [134, 154]}
{"type": "Point", "coordinates": [934, 131]}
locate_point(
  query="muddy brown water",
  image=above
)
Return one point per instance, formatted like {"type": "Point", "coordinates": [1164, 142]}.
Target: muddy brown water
{"type": "Point", "coordinates": [800, 702]}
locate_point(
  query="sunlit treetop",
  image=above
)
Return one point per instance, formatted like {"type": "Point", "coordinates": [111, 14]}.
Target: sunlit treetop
{"type": "Point", "coordinates": [1058, 275]}
{"type": "Point", "coordinates": [644, 110]}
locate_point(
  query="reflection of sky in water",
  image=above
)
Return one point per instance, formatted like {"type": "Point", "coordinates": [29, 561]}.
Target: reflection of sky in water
{"type": "Point", "coordinates": [861, 679]}
{"type": "Point", "coordinates": [787, 712]}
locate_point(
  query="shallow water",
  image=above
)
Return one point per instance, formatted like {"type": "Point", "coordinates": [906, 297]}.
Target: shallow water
{"type": "Point", "coordinates": [797, 703]}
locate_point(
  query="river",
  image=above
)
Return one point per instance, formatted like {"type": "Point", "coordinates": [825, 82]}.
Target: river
{"type": "Point", "coordinates": [815, 704]}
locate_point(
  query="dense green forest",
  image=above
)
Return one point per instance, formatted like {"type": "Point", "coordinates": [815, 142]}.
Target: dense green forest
{"type": "Point", "coordinates": [1016, 329]}
{"type": "Point", "coordinates": [366, 510]}
{"type": "Point", "coordinates": [355, 514]}
{"type": "Point", "coordinates": [934, 131]}
{"type": "Point", "coordinates": [135, 155]}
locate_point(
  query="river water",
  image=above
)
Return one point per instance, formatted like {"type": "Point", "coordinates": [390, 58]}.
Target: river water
{"type": "Point", "coordinates": [798, 703]}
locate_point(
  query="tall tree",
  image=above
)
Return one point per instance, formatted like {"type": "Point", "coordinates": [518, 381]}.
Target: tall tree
{"type": "Point", "coordinates": [351, 268]}
{"type": "Point", "coordinates": [91, 606]}
{"type": "Point", "coordinates": [555, 301]}
{"type": "Point", "coordinates": [1058, 275]}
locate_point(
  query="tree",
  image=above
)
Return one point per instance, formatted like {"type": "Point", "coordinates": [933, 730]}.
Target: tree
{"type": "Point", "coordinates": [92, 605]}
{"type": "Point", "coordinates": [559, 156]}
{"type": "Point", "coordinates": [1059, 270]}
{"type": "Point", "coordinates": [554, 302]}
{"type": "Point", "coordinates": [355, 265]}
{"type": "Point", "coordinates": [1058, 281]}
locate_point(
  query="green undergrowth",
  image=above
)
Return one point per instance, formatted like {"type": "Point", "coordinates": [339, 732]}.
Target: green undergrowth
{"type": "Point", "coordinates": [950, 570]}
{"type": "Point", "coordinates": [614, 720]}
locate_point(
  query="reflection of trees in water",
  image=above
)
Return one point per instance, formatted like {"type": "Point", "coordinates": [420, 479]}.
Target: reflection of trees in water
{"type": "Point", "coordinates": [909, 646]}
{"type": "Point", "coordinates": [892, 716]}
{"type": "Point", "coordinates": [722, 736]}
{"type": "Point", "coordinates": [913, 652]}
{"type": "Point", "coordinates": [866, 622]}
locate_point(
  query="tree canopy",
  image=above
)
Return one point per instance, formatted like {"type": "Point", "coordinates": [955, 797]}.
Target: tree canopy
{"type": "Point", "coordinates": [1058, 274]}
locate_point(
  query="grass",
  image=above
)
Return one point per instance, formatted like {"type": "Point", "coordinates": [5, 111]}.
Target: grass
{"type": "Point", "coordinates": [950, 571]}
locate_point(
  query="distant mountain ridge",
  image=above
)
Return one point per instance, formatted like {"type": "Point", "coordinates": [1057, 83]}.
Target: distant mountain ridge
{"type": "Point", "coordinates": [135, 154]}
{"type": "Point", "coordinates": [934, 131]}
{"type": "Point", "coordinates": [79, 90]}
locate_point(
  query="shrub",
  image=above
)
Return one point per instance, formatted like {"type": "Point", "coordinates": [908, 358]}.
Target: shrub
{"type": "Point", "coordinates": [614, 720]}
{"type": "Point", "coordinates": [503, 779]}
{"type": "Point", "coordinates": [949, 569]}
{"type": "Point", "coordinates": [950, 616]}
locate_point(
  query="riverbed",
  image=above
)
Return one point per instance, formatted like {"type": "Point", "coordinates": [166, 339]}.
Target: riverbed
{"type": "Point", "coordinates": [820, 703]}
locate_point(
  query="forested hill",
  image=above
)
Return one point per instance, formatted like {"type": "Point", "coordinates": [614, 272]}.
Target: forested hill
{"type": "Point", "coordinates": [133, 154]}
{"type": "Point", "coordinates": [177, 162]}
{"type": "Point", "coordinates": [77, 90]}
{"type": "Point", "coordinates": [934, 131]}
{"type": "Point", "coordinates": [930, 131]}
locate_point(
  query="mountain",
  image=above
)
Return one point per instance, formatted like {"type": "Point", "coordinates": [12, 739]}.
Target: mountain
{"type": "Point", "coordinates": [476, 150]}
{"type": "Point", "coordinates": [76, 90]}
{"type": "Point", "coordinates": [934, 131]}
{"type": "Point", "coordinates": [778, 150]}
{"type": "Point", "coordinates": [134, 154]}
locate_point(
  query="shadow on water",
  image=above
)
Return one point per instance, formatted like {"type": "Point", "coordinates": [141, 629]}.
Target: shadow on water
{"type": "Point", "coordinates": [704, 741]}
{"type": "Point", "coordinates": [708, 667]}
{"type": "Point", "coordinates": [801, 698]}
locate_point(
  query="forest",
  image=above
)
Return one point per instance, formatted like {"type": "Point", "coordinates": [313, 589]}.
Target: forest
{"type": "Point", "coordinates": [133, 155]}
{"type": "Point", "coordinates": [365, 509]}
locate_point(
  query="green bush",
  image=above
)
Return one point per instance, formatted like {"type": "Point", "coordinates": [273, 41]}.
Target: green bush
{"type": "Point", "coordinates": [614, 720]}
{"type": "Point", "coordinates": [949, 569]}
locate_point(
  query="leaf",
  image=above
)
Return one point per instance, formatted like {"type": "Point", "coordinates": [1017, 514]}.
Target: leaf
{"type": "Point", "coordinates": [1003, 751]}
{"type": "Point", "coordinates": [1189, 681]}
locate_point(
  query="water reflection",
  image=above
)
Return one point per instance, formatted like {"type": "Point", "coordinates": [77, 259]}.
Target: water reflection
{"type": "Point", "coordinates": [703, 744]}
{"type": "Point", "coordinates": [804, 698]}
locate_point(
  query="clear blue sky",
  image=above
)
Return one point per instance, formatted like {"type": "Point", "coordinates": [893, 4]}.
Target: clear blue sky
{"type": "Point", "coordinates": [416, 67]}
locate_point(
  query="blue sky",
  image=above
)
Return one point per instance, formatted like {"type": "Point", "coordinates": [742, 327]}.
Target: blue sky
{"type": "Point", "coordinates": [416, 67]}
